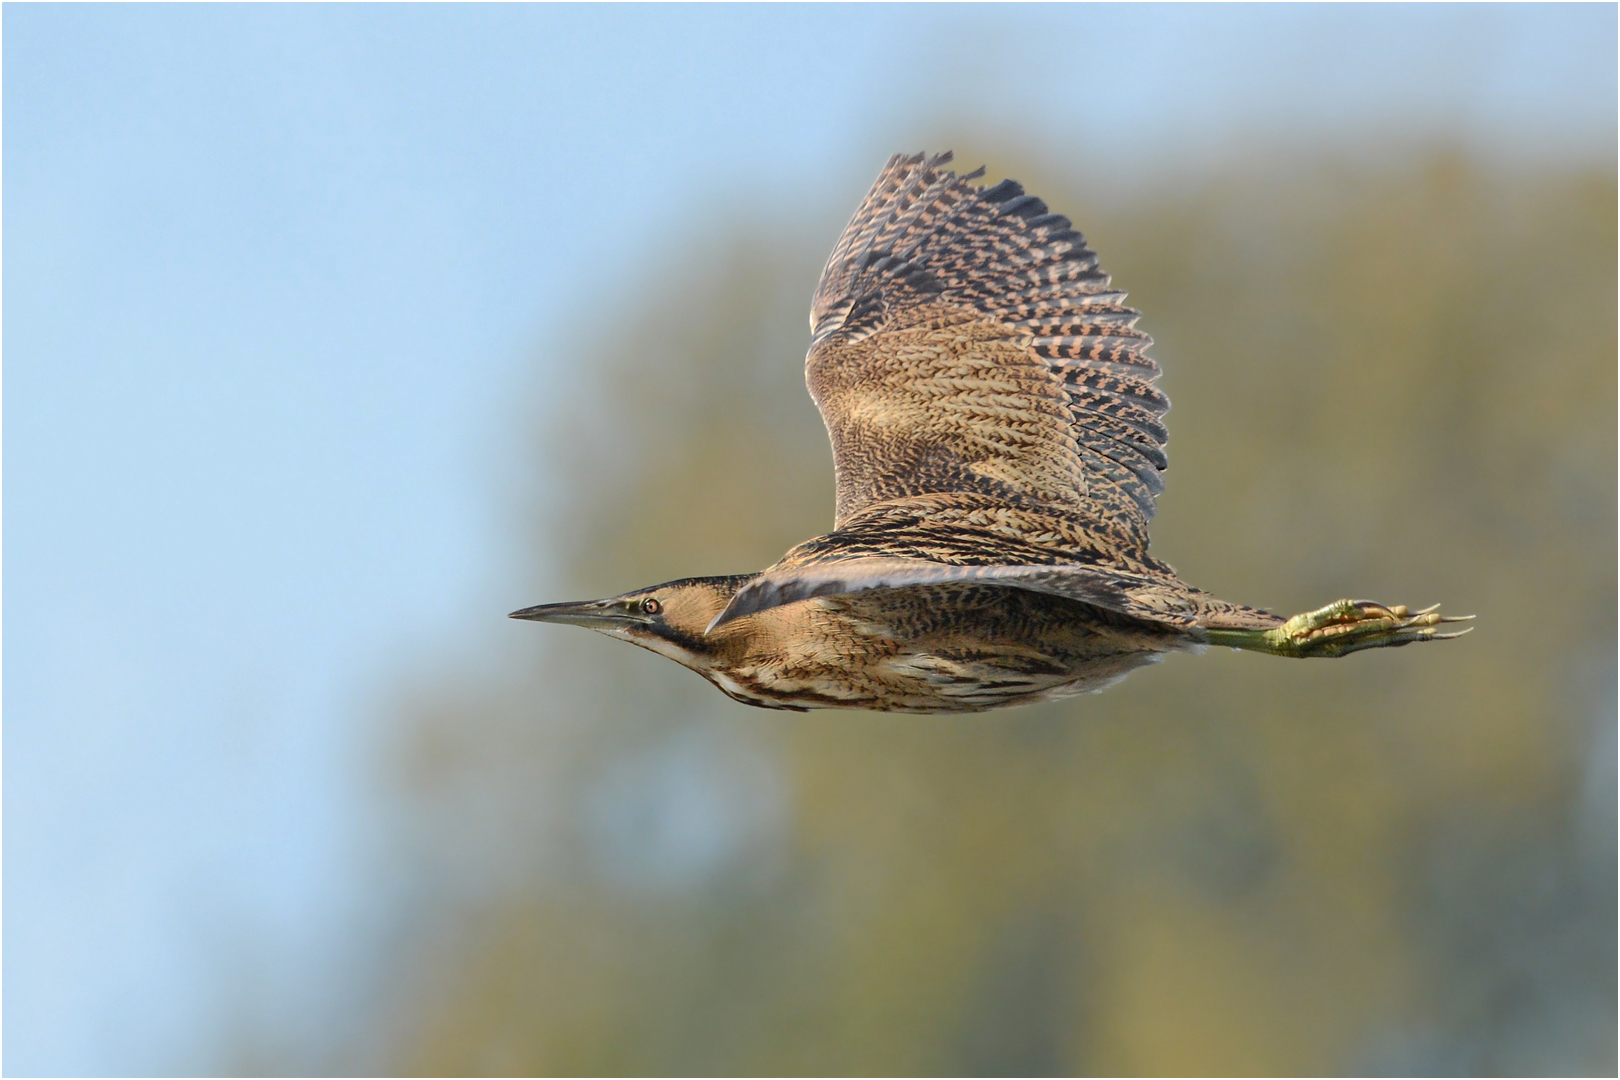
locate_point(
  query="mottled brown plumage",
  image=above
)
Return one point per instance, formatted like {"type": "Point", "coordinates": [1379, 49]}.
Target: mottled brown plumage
{"type": "Point", "coordinates": [998, 444]}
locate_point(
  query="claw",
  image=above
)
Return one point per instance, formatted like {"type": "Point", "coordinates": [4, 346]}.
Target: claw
{"type": "Point", "coordinates": [1344, 627]}
{"type": "Point", "coordinates": [1348, 626]}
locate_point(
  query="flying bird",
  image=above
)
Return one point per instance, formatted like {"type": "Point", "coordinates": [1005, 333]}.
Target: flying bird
{"type": "Point", "coordinates": [998, 443]}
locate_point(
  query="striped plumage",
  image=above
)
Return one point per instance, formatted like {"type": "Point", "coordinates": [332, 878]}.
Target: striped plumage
{"type": "Point", "coordinates": [998, 442]}
{"type": "Point", "coordinates": [1050, 391]}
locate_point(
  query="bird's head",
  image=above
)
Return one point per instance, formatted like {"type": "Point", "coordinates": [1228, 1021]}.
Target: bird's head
{"type": "Point", "coordinates": [669, 619]}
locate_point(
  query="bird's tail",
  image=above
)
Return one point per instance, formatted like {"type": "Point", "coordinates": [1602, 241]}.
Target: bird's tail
{"type": "Point", "coordinates": [1214, 614]}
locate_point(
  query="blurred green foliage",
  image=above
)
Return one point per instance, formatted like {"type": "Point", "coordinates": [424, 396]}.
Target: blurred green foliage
{"type": "Point", "coordinates": [1393, 379]}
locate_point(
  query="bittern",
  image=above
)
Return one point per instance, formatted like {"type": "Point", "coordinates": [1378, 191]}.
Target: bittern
{"type": "Point", "coordinates": [998, 443]}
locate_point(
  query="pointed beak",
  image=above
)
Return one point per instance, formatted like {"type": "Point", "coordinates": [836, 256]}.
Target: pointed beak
{"type": "Point", "coordinates": [595, 614]}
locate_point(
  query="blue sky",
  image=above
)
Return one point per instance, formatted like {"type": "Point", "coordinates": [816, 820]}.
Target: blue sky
{"type": "Point", "coordinates": [273, 277]}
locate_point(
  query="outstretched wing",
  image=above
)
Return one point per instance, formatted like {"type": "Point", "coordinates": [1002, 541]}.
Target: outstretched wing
{"type": "Point", "coordinates": [964, 340]}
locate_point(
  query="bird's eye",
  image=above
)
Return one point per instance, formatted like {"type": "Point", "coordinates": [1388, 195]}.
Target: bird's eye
{"type": "Point", "coordinates": [651, 606]}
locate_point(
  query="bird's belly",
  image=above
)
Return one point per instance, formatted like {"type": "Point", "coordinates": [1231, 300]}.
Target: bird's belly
{"type": "Point", "coordinates": [918, 681]}
{"type": "Point", "coordinates": [963, 681]}
{"type": "Point", "coordinates": [953, 648]}
{"type": "Point", "coordinates": [931, 675]}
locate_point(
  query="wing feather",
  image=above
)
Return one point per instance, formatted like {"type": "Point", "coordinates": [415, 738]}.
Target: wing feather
{"type": "Point", "coordinates": [934, 539]}
{"type": "Point", "coordinates": [965, 339]}
{"type": "Point", "coordinates": [1140, 598]}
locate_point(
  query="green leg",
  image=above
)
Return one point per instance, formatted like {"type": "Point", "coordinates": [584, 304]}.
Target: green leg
{"type": "Point", "coordinates": [1341, 628]}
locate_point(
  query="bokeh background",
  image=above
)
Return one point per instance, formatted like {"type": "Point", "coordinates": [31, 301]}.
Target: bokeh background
{"type": "Point", "coordinates": [334, 333]}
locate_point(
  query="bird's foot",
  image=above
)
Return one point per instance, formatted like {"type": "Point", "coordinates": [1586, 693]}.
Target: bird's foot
{"type": "Point", "coordinates": [1344, 627]}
